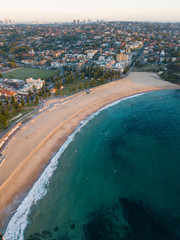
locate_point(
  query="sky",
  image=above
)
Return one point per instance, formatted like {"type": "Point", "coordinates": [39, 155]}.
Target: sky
{"type": "Point", "coordinates": [67, 10]}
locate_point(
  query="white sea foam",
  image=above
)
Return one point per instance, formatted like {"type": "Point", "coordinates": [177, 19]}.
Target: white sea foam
{"type": "Point", "coordinates": [19, 221]}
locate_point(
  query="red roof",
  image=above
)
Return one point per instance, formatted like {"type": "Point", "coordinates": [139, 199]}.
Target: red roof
{"type": "Point", "coordinates": [53, 90]}
{"type": "Point", "coordinates": [6, 92]}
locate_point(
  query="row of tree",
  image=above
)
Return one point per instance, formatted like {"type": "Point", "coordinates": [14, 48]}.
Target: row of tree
{"type": "Point", "coordinates": [11, 107]}
{"type": "Point", "coordinates": [72, 75]}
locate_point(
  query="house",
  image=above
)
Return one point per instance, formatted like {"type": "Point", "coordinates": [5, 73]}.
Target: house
{"type": "Point", "coordinates": [91, 53]}
{"type": "Point", "coordinates": [53, 90]}
{"type": "Point", "coordinates": [7, 93]}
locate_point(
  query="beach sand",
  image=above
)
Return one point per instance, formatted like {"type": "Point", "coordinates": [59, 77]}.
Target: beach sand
{"type": "Point", "coordinates": [32, 147]}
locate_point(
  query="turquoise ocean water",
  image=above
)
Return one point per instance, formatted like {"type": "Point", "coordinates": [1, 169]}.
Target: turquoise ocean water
{"type": "Point", "coordinates": [118, 179]}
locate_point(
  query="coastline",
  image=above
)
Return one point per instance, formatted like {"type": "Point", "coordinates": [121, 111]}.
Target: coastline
{"type": "Point", "coordinates": [36, 142]}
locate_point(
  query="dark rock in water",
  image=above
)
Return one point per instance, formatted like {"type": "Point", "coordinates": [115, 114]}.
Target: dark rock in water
{"type": "Point", "coordinates": [72, 226]}
{"type": "Point", "coordinates": [34, 237]}
{"type": "Point", "coordinates": [113, 146]}
{"type": "Point", "coordinates": [144, 223]}
{"type": "Point", "coordinates": [100, 227]}
{"type": "Point", "coordinates": [46, 233]}
{"type": "Point", "coordinates": [65, 237]}
{"type": "Point", "coordinates": [56, 229]}
{"type": "Point", "coordinates": [30, 237]}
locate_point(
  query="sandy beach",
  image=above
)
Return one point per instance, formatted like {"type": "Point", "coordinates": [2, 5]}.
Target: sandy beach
{"type": "Point", "coordinates": [32, 147]}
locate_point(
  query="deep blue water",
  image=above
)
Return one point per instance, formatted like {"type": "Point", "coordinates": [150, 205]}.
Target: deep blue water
{"type": "Point", "coordinates": [119, 179]}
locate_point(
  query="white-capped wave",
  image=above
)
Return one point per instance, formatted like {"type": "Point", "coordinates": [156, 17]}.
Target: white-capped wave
{"type": "Point", "coordinates": [19, 221]}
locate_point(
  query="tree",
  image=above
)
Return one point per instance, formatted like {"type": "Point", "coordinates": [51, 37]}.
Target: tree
{"type": "Point", "coordinates": [53, 79]}
{"type": "Point", "coordinates": [1, 117]}
{"type": "Point", "coordinates": [14, 110]}
{"type": "Point", "coordinates": [74, 88]}
{"type": "Point", "coordinates": [61, 92]}
{"type": "Point", "coordinates": [44, 95]}
{"type": "Point", "coordinates": [5, 112]}
{"type": "Point", "coordinates": [40, 93]}
{"type": "Point", "coordinates": [58, 84]}
{"type": "Point", "coordinates": [86, 84]}
{"type": "Point", "coordinates": [56, 91]}
{"type": "Point", "coordinates": [82, 76]}
{"type": "Point", "coordinates": [92, 83]}
{"type": "Point", "coordinates": [16, 105]}
{"type": "Point", "coordinates": [22, 102]}
{"type": "Point", "coordinates": [80, 86]}
{"type": "Point", "coordinates": [126, 70]}
{"type": "Point", "coordinates": [13, 64]}
{"type": "Point", "coordinates": [72, 79]}
{"type": "Point", "coordinates": [20, 107]}
{"type": "Point", "coordinates": [27, 98]}
{"type": "Point", "coordinates": [4, 122]}
{"type": "Point", "coordinates": [76, 75]}
{"type": "Point", "coordinates": [70, 89]}
{"type": "Point", "coordinates": [12, 98]}
{"type": "Point", "coordinates": [49, 93]}
{"type": "Point", "coordinates": [37, 100]}
{"type": "Point", "coordinates": [29, 92]}
{"type": "Point", "coordinates": [7, 101]}
{"type": "Point", "coordinates": [34, 89]}
{"type": "Point", "coordinates": [67, 77]}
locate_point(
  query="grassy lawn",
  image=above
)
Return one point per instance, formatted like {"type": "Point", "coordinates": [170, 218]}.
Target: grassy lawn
{"type": "Point", "coordinates": [76, 87]}
{"type": "Point", "coordinates": [76, 84]}
{"type": "Point", "coordinates": [24, 112]}
{"type": "Point", "coordinates": [30, 105]}
{"type": "Point", "coordinates": [24, 73]}
{"type": "Point", "coordinates": [171, 77]}
{"type": "Point", "coordinates": [148, 68]}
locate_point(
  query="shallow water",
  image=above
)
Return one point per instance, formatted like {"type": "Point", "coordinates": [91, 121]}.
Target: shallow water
{"type": "Point", "coordinates": [119, 177]}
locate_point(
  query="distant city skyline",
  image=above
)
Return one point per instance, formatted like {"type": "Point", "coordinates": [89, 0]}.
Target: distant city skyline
{"type": "Point", "coordinates": [62, 11]}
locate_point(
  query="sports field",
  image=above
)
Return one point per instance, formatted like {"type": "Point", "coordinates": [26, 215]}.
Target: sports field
{"type": "Point", "coordinates": [24, 73]}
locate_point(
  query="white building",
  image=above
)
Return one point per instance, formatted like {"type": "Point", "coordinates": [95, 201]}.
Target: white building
{"type": "Point", "coordinates": [55, 64]}
{"type": "Point", "coordinates": [37, 83]}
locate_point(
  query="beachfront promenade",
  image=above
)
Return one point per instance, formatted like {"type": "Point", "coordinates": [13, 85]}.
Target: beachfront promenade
{"type": "Point", "coordinates": [31, 148]}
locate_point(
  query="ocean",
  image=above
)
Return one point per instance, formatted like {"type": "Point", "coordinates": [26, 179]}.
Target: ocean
{"type": "Point", "coordinates": [117, 177]}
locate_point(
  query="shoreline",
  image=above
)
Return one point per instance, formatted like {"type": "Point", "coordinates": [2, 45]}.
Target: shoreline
{"type": "Point", "coordinates": [42, 182]}
{"type": "Point", "coordinates": [25, 172]}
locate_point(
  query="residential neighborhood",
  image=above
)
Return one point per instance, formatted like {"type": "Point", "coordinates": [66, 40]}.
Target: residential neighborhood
{"type": "Point", "coordinates": [79, 45]}
{"type": "Point", "coordinates": [38, 60]}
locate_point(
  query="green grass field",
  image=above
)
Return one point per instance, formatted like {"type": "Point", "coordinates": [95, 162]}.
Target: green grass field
{"type": "Point", "coordinates": [24, 73]}
{"type": "Point", "coordinates": [148, 68]}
